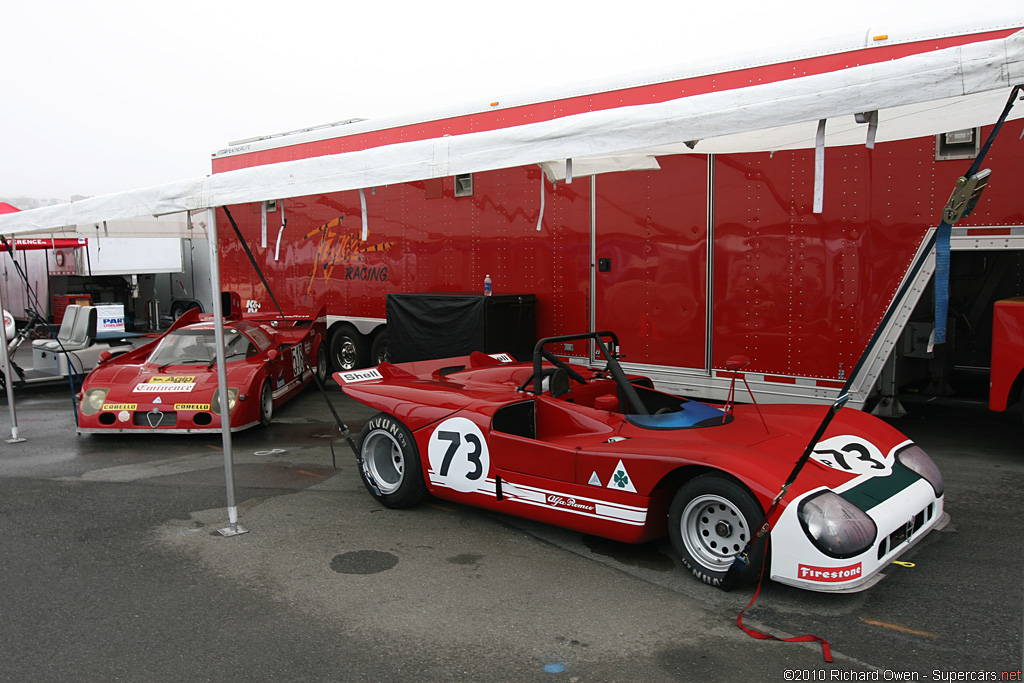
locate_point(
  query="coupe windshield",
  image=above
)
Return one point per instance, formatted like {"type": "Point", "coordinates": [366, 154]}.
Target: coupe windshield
{"type": "Point", "coordinates": [197, 347]}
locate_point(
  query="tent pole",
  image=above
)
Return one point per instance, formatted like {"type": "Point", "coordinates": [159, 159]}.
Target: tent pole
{"type": "Point", "coordinates": [233, 529]}
{"type": "Point", "coordinates": [5, 366]}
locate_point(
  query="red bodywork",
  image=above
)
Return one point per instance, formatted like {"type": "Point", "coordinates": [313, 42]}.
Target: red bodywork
{"type": "Point", "coordinates": [556, 459]}
{"type": "Point", "coordinates": [180, 397]}
{"type": "Point", "coordinates": [1007, 353]}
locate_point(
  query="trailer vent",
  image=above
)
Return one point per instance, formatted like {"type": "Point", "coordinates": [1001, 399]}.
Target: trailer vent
{"type": "Point", "coordinates": [464, 185]}
{"type": "Point", "coordinates": [958, 144]}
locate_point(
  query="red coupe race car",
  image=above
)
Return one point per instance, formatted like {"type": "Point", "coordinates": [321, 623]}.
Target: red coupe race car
{"type": "Point", "coordinates": [595, 450]}
{"type": "Point", "coordinates": [170, 385]}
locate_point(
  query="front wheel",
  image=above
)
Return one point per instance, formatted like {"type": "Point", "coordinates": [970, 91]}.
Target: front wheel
{"type": "Point", "coordinates": [389, 462]}
{"type": "Point", "coordinates": [710, 521]}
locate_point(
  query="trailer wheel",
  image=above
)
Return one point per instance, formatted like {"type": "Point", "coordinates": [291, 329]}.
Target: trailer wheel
{"type": "Point", "coordinates": [710, 521]}
{"type": "Point", "coordinates": [389, 462]}
{"type": "Point", "coordinates": [379, 347]}
{"type": "Point", "coordinates": [179, 308]}
{"type": "Point", "coordinates": [347, 349]}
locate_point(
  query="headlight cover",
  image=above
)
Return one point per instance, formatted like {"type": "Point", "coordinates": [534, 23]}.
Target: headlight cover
{"type": "Point", "coordinates": [836, 526]}
{"type": "Point", "coordinates": [92, 400]}
{"type": "Point", "coordinates": [915, 459]}
{"type": "Point", "coordinates": [232, 400]}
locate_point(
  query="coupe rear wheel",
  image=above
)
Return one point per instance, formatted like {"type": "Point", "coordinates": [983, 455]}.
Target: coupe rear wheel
{"type": "Point", "coordinates": [389, 462]}
{"type": "Point", "coordinates": [711, 519]}
{"type": "Point", "coordinates": [266, 403]}
{"type": "Point", "coordinates": [321, 364]}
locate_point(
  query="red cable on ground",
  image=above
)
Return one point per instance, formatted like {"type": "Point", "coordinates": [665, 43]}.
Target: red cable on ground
{"type": "Point", "coordinates": [826, 650]}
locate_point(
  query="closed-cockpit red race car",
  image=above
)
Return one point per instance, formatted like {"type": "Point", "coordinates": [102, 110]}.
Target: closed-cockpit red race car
{"type": "Point", "coordinates": [595, 450]}
{"type": "Point", "coordinates": [170, 385]}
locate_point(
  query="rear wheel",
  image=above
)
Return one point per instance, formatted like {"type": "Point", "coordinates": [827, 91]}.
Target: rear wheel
{"type": "Point", "coordinates": [347, 349]}
{"type": "Point", "coordinates": [711, 519]}
{"type": "Point", "coordinates": [389, 462]}
{"type": "Point", "coordinates": [321, 364]}
{"type": "Point", "coordinates": [266, 403]}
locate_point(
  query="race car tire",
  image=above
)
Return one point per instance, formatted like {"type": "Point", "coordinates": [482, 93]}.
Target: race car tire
{"type": "Point", "coordinates": [389, 462]}
{"type": "Point", "coordinates": [347, 349]}
{"type": "Point", "coordinates": [710, 521]}
{"type": "Point", "coordinates": [321, 364]}
{"type": "Point", "coordinates": [266, 403]}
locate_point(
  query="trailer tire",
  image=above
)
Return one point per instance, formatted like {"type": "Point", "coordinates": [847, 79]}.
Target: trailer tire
{"type": "Point", "coordinates": [389, 462]}
{"type": "Point", "coordinates": [710, 520]}
{"type": "Point", "coordinates": [347, 349]}
{"type": "Point", "coordinates": [179, 308]}
{"type": "Point", "coordinates": [379, 347]}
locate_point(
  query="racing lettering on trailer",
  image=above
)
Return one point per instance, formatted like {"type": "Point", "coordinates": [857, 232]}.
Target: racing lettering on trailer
{"type": "Point", "coordinates": [458, 454]}
{"type": "Point", "coordinates": [252, 306]}
{"type": "Point", "coordinates": [852, 454]}
{"type": "Point", "coordinates": [337, 247]}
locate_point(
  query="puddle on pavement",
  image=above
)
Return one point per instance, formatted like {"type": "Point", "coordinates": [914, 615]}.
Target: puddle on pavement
{"type": "Point", "coordinates": [363, 562]}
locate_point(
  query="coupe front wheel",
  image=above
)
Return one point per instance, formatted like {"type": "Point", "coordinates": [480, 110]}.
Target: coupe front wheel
{"type": "Point", "coordinates": [389, 462]}
{"type": "Point", "coordinates": [710, 521]}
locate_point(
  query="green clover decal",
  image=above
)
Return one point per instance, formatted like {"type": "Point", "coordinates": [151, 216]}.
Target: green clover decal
{"type": "Point", "coordinates": [621, 480]}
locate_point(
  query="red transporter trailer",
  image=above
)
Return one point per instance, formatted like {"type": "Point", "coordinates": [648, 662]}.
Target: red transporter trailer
{"type": "Point", "coordinates": [692, 253]}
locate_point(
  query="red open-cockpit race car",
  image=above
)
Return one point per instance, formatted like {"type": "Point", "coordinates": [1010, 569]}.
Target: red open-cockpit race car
{"type": "Point", "coordinates": [595, 450]}
{"type": "Point", "coordinates": [170, 385]}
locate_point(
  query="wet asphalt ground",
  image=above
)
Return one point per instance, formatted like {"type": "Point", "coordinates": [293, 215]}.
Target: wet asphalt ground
{"type": "Point", "coordinates": [111, 569]}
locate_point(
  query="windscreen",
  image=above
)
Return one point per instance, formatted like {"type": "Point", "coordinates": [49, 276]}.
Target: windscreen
{"type": "Point", "coordinates": [197, 347]}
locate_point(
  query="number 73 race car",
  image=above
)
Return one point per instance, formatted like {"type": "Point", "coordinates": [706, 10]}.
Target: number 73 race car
{"type": "Point", "coordinates": [170, 385]}
{"type": "Point", "coordinates": [603, 453]}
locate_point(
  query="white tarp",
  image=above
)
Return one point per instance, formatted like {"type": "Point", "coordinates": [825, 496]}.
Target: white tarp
{"type": "Point", "coordinates": [918, 95]}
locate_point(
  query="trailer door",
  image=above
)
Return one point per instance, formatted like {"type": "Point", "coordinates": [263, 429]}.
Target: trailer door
{"type": "Point", "coordinates": [651, 249]}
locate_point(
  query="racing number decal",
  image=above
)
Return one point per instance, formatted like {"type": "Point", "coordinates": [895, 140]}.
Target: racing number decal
{"type": "Point", "coordinates": [458, 455]}
{"type": "Point", "coordinates": [851, 454]}
{"type": "Point", "coordinates": [298, 361]}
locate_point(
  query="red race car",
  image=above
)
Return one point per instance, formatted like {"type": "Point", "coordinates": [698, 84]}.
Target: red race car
{"type": "Point", "coordinates": [170, 385]}
{"type": "Point", "coordinates": [595, 450]}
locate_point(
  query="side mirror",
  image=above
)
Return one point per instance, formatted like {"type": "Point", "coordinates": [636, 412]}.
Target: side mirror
{"type": "Point", "coordinates": [104, 357]}
{"type": "Point", "coordinates": [272, 354]}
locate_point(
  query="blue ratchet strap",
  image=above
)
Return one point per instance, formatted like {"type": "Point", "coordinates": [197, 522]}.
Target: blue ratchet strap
{"type": "Point", "coordinates": [949, 216]}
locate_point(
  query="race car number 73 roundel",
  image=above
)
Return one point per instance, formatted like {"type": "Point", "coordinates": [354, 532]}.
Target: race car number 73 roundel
{"type": "Point", "coordinates": [458, 455]}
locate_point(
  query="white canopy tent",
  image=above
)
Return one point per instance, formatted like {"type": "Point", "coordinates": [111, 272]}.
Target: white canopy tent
{"type": "Point", "coordinates": [918, 95]}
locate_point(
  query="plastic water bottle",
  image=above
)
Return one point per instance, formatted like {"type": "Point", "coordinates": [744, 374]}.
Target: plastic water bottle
{"type": "Point", "coordinates": [487, 286]}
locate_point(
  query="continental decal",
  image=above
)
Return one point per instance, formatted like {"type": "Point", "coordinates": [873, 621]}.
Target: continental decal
{"type": "Point", "coordinates": [172, 380]}
{"type": "Point", "coordinates": [191, 406]}
{"type": "Point", "coordinates": [344, 250]}
{"type": "Point", "coordinates": [120, 406]}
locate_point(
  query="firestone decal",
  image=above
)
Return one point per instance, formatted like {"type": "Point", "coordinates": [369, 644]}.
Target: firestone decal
{"type": "Point", "coordinates": [829, 574]}
{"type": "Point", "coordinates": [336, 247]}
